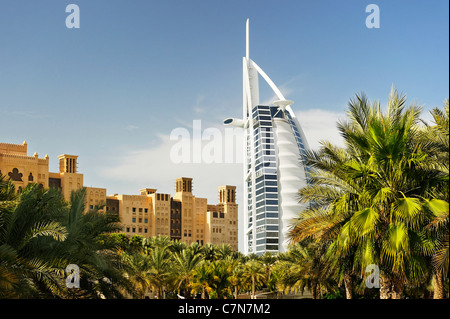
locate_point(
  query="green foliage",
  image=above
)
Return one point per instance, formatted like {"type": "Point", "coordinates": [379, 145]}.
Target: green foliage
{"type": "Point", "coordinates": [383, 198]}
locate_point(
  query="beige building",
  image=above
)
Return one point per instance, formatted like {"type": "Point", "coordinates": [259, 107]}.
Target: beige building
{"type": "Point", "coordinates": [182, 216]}
{"type": "Point", "coordinates": [23, 170]}
{"type": "Point", "coordinates": [222, 219]}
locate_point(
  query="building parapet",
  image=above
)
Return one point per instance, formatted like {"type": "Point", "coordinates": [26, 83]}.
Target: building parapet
{"type": "Point", "coordinates": [46, 159]}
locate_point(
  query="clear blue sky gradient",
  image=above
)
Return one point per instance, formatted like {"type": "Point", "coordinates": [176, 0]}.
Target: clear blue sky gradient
{"type": "Point", "coordinates": [137, 68]}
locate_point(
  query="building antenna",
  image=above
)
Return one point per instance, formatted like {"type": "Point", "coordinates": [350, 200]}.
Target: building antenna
{"type": "Point", "coordinates": [247, 41]}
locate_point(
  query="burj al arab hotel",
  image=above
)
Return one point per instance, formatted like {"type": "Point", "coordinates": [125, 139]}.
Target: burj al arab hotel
{"type": "Point", "coordinates": [273, 170]}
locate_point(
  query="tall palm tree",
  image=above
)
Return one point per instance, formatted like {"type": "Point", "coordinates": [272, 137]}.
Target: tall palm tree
{"type": "Point", "coordinates": [436, 140]}
{"type": "Point", "coordinates": [387, 159]}
{"type": "Point", "coordinates": [370, 198]}
{"type": "Point", "coordinates": [334, 195]}
{"type": "Point", "coordinates": [236, 276]}
{"type": "Point", "coordinates": [185, 263]}
{"type": "Point", "coordinates": [160, 270]}
{"type": "Point", "coordinates": [254, 272]}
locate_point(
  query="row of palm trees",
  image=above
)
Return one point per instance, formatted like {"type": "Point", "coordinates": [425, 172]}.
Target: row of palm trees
{"type": "Point", "coordinates": [168, 269]}
{"type": "Point", "coordinates": [381, 199]}
{"type": "Point", "coordinates": [41, 234]}
{"type": "Point", "coordinates": [161, 268]}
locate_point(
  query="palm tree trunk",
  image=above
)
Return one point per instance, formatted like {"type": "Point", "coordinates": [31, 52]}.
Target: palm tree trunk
{"type": "Point", "coordinates": [236, 291]}
{"type": "Point", "coordinates": [348, 282]}
{"type": "Point", "coordinates": [385, 287]}
{"type": "Point", "coordinates": [253, 287]}
{"type": "Point", "coordinates": [314, 291]}
{"type": "Point", "coordinates": [398, 287]}
{"type": "Point", "coordinates": [188, 291]}
{"type": "Point", "coordinates": [438, 286]}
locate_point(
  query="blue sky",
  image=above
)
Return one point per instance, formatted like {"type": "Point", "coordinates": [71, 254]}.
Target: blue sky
{"type": "Point", "coordinates": [113, 90]}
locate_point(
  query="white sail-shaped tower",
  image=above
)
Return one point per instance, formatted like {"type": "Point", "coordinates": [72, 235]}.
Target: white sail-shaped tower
{"type": "Point", "coordinates": [273, 170]}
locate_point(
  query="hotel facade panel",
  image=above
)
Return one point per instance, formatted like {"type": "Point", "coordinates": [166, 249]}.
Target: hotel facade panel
{"type": "Point", "coordinates": [182, 216]}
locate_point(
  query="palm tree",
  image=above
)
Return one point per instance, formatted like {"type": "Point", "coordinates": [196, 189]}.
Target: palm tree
{"type": "Point", "coordinates": [436, 141]}
{"type": "Point", "coordinates": [221, 272]}
{"type": "Point", "coordinates": [333, 196]}
{"type": "Point", "coordinates": [267, 260]}
{"type": "Point", "coordinates": [254, 272]}
{"type": "Point", "coordinates": [185, 263]}
{"type": "Point", "coordinates": [210, 252]}
{"type": "Point", "coordinates": [236, 277]}
{"type": "Point", "coordinates": [314, 271]}
{"type": "Point", "coordinates": [177, 246]}
{"type": "Point", "coordinates": [388, 159]}
{"type": "Point", "coordinates": [100, 266]}
{"type": "Point", "coordinates": [370, 198]}
{"type": "Point", "coordinates": [223, 250]}
{"type": "Point", "coordinates": [157, 241]}
{"type": "Point", "coordinates": [202, 278]}
{"type": "Point", "coordinates": [137, 270]}
{"type": "Point", "coordinates": [27, 227]}
{"type": "Point", "coordinates": [160, 269]}
{"type": "Point", "coordinates": [438, 229]}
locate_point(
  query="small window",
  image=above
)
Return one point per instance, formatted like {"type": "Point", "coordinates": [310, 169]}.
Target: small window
{"type": "Point", "coordinates": [133, 219]}
{"type": "Point", "coordinates": [128, 229]}
{"type": "Point", "coordinates": [134, 209]}
{"type": "Point", "coordinates": [145, 210]}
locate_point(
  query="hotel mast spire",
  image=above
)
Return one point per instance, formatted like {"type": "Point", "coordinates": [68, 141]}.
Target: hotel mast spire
{"type": "Point", "coordinates": [247, 40]}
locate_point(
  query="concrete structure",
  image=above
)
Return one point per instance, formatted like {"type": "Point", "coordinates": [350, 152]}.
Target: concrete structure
{"type": "Point", "coordinates": [273, 170]}
{"type": "Point", "coordinates": [183, 217]}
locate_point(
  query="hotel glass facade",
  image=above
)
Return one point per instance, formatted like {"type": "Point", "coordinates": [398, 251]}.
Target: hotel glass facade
{"type": "Point", "coordinates": [263, 202]}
